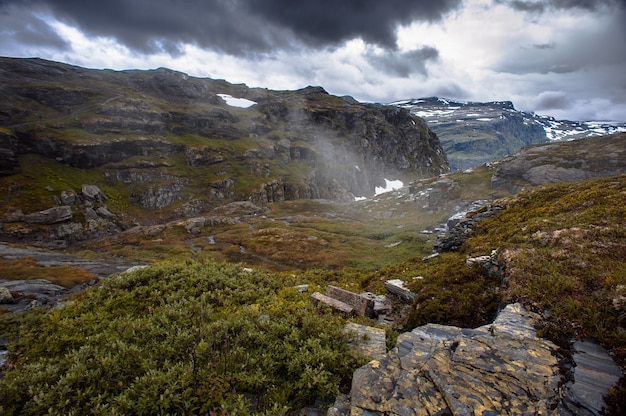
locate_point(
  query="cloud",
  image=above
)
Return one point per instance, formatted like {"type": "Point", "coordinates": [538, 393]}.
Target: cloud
{"type": "Point", "coordinates": [551, 100]}
{"type": "Point", "coordinates": [20, 27]}
{"type": "Point", "coordinates": [240, 27]}
{"type": "Point", "coordinates": [541, 6]}
{"type": "Point", "coordinates": [328, 22]}
{"type": "Point", "coordinates": [403, 64]}
{"type": "Point", "coordinates": [562, 56]}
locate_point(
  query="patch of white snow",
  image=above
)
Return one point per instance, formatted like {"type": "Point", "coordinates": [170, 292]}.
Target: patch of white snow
{"type": "Point", "coordinates": [389, 186]}
{"type": "Point", "coordinates": [236, 102]}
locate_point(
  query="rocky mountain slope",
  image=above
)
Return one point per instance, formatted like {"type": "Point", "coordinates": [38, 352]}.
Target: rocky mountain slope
{"type": "Point", "coordinates": [162, 145]}
{"type": "Point", "coordinates": [473, 132]}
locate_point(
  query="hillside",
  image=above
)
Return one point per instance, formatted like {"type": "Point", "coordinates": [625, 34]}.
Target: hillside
{"type": "Point", "coordinates": [161, 145]}
{"type": "Point", "coordinates": [473, 133]}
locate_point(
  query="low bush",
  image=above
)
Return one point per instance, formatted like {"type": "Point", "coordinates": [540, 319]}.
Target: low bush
{"type": "Point", "coordinates": [179, 338]}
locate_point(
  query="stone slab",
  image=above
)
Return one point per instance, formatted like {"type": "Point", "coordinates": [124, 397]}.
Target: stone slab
{"type": "Point", "coordinates": [363, 306]}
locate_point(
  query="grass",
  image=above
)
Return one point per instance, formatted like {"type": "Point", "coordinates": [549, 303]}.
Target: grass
{"type": "Point", "coordinates": [27, 268]}
{"type": "Point", "coordinates": [564, 248]}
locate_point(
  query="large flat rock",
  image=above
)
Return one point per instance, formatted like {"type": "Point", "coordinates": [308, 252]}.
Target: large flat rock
{"type": "Point", "coordinates": [502, 368]}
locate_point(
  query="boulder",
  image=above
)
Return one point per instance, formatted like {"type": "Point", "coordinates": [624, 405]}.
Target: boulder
{"type": "Point", "coordinates": [399, 289]}
{"type": "Point", "coordinates": [50, 215]}
{"type": "Point", "coordinates": [502, 368]}
{"type": "Point", "coordinates": [5, 296]}
{"type": "Point", "coordinates": [333, 303]}
{"type": "Point", "coordinates": [362, 305]}
{"type": "Point", "coordinates": [68, 197]}
{"type": "Point", "coordinates": [93, 193]}
{"type": "Point", "coordinates": [105, 213]}
{"type": "Point", "coordinates": [369, 341]}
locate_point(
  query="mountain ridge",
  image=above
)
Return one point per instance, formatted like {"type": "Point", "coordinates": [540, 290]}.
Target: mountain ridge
{"type": "Point", "coordinates": [473, 133]}
{"type": "Point", "coordinates": [162, 144]}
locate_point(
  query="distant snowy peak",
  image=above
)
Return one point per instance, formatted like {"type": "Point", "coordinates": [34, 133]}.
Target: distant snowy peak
{"type": "Point", "coordinates": [439, 111]}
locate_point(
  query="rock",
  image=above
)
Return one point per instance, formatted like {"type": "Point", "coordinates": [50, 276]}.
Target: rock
{"type": "Point", "coordinates": [461, 230]}
{"type": "Point", "coordinates": [569, 161]}
{"type": "Point", "coordinates": [50, 215]}
{"type": "Point", "coordinates": [30, 294]}
{"type": "Point", "coordinates": [68, 197]}
{"type": "Point", "coordinates": [105, 213]}
{"type": "Point", "coordinates": [362, 305]}
{"type": "Point", "coordinates": [398, 288]}
{"type": "Point", "coordinates": [6, 296]}
{"type": "Point", "coordinates": [90, 214]}
{"type": "Point", "coordinates": [340, 407]}
{"type": "Point", "coordinates": [333, 303]}
{"type": "Point", "coordinates": [14, 216]}
{"type": "Point", "coordinates": [32, 287]}
{"type": "Point", "coordinates": [194, 225]}
{"type": "Point", "coordinates": [301, 288]}
{"type": "Point", "coordinates": [489, 263]}
{"type": "Point", "coordinates": [502, 368]}
{"type": "Point", "coordinates": [93, 193]}
{"type": "Point", "coordinates": [593, 375]}
{"type": "Point", "coordinates": [366, 340]}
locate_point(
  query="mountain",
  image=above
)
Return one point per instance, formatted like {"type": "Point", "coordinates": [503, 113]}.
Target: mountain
{"type": "Point", "coordinates": [160, 144]}
{"type": "Point", "coordinates": [473, 133]}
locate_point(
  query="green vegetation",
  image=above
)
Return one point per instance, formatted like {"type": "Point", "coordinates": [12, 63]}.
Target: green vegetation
{"type": "Point", "coordinates": [564, 247]}
{"type": "Point", "coordinates": [178, 338]}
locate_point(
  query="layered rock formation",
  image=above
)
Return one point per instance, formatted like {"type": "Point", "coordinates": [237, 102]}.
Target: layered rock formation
{"type": "Point", "coordinates": [501, 368]}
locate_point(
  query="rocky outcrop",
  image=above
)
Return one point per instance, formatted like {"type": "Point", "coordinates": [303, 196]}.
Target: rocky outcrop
{"type": "Point", "coordinates": [562, 162]}
{"type": "Point", "coordinates": [50, 216]}
{"type": "Point", "coordinates": [501, 368]}
{"type": "Point", "coordinates": [459, 228]}
{"type": "Point", "coordinates": [85, 216]}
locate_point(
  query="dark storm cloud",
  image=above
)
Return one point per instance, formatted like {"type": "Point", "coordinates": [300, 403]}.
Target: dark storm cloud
{"type": "Point", "coordinates": [22, 28]}
{"type": "Point", "coordinates": [239, 26]}
{"type": "Point", "coordinates": [551, 100]}
{"type": "Point", "coordinates": [406, 63]}
{"type": "Point", "coordinates": [324, 22]}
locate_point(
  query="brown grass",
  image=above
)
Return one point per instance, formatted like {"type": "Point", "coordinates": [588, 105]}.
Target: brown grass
{"type": "Point", "coordinates": [27, 268]}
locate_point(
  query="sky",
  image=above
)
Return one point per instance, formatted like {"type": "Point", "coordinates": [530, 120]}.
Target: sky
{"type": "Point", "coordinates": [564, 58]}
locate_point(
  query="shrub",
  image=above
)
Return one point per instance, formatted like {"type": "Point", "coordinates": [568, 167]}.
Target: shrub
{"type": "Point", "coordinates": [177, 338]}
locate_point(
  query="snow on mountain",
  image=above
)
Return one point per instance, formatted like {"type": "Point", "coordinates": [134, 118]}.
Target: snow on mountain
{"type": "Point", "coordinates": [472, 133]}
{"type": "Point", "coordinates": [440, 110]}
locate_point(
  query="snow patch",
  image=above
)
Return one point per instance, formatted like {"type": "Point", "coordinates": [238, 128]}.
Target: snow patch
{"type": "Point", "coordinates": [389, 186]}
{"type": "Point", "coordinates": [236, 102]}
